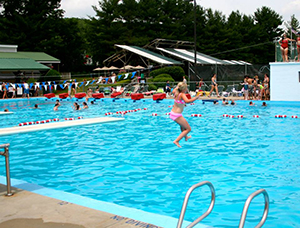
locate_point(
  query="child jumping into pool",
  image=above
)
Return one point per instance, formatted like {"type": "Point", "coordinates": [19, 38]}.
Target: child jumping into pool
{"type": "Point", "coordinates": [180, 100]}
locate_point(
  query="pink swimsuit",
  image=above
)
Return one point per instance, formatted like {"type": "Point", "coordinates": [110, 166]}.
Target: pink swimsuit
{"type": "Point", "coordinates": [174, 115]}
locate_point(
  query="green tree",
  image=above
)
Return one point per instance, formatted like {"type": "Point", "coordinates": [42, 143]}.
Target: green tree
{"type": "Point", "coordinates": [267, 22]}
{"type": "Point", "coordinates": [31, 24]}
{"type": "Point", "coordinates": [38, 25]}
{"type": "Point", "coordinates": [134, 22]}
{"type": "Point", "coordinates": [293, 23]}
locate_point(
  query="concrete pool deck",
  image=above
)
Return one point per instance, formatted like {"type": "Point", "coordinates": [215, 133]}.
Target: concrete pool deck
{"type": "Point", "coordinates": [30, 210]}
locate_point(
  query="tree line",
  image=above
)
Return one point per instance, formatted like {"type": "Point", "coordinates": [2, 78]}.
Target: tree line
{"type": "Point", "coordinates": [40, 25]}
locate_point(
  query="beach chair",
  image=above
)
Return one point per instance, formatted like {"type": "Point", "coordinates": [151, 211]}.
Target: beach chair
{"type": "Point", "coordinates": [118, 92]}
{"type": "Point", "coordinates": [228, 91]}
{"type": "Point", "coordinates": [160, 90]}
{"type": "Point", "coordinates": [144, 89]}
{"type": "Point", "coordinates": [101, 90]}
{"type": "Point", "coordinates": [220, 89]}
{"type": "Point", "coordinates": [118, 88]}
{"type": "Point", "coordinates": [203, 88]}
{"type": "Point", "coordinates": [132, 89]}
{"type": "Point", "coordinates": [107, 90]}
{"type": "Point", "coordinates": [236, 92]}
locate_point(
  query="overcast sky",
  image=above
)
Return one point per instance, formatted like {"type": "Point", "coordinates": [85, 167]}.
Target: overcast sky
{"type": "Point", "coordinates": [285, 8]}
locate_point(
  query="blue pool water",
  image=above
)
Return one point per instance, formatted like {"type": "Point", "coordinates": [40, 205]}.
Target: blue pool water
{"type": "Point", "coordinates": [135, 164]}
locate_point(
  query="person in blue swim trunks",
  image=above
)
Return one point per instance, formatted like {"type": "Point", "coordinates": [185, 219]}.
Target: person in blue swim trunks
{"type": "Point", "coordinates": [26, 90]}
{"type": "Point", "coordinates": [180, 100]}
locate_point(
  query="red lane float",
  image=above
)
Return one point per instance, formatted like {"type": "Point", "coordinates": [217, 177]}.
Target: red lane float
{"type": "Point", "coordinates": [39, 122]}
{"type": "Point", "coordinates": [256, 116]}
{"type": "Point", "coordinates": [240, 116]}
{"type": "Point", "coordinates": [70, 118]}
{"type": "Point", "coordinates": [108, 113]}
{"type": "Point", "coordinates": [225, 115]}
{"type": "Point", "coordinates": [43, 121]}
{"type": "Point", "coordinates": [80, 95]}
{"type": "Point", "coordinates": [154, 114]}
{"type": "Point", "coordinates": [168, 113]}
{"type": "Point", "coordinates": [159, 96]}
{"type": "Point", "coordinates": [113, 95]}
{"type": "Point", "coordinates": [280, 116]}
{"type": "Point", "coordinates": [26, 123]}
{"type": "Point", "coordinates": [196, 115]}
{"type": "Point", "coordinates": [136, 96]}
{"type": "Point", "coordinates": [231, 116]}
{"type": "Point", "coordinates": [63, 95]}
{"type": "Point", "coordinates": [295, 117]}
{"type": "Point", "coordinates": [98, 95]}
{"type": "Point", "coordinates": [49, 95]}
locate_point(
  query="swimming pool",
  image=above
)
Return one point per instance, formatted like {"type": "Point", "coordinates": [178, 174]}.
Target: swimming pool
{"type": "Point", "coordinates": [135, 164]}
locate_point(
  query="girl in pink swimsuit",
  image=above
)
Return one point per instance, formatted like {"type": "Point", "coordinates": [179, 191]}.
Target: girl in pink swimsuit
{"type": "Point", "coordinates": [176, 113]}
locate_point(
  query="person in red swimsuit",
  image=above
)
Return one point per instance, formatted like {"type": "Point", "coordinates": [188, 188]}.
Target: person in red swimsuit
{"type": "Point", "coordinates": [284, 43]}
{"type": "Point", "coordinates": [298, 46]}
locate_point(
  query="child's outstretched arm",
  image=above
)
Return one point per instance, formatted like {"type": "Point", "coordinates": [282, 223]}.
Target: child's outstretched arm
{"type": "Point", "coordinates": [186, 100]}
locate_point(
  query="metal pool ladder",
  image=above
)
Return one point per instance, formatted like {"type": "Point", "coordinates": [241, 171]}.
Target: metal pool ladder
{"type": "Point", "coordinates": [212, 203]}
{"type": "Point", "coordinates": [247, 204]}
{"type": "Point", "coordinates": [5, 153]}
{"type": "Point", "coordinates": [186, 200]}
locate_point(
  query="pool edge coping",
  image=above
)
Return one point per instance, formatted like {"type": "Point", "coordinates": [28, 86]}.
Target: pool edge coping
{"type": "Point", "coordinates": [112, 208]}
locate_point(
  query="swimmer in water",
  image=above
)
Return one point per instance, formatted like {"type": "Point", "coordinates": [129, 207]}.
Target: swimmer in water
{"type": "Point", "coordinates": [85, 105]}
{"type": "Point", "coordinates": [76, 106]}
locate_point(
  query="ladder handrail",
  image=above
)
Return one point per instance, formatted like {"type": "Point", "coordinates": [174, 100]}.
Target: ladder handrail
{"type": "Point", "coordinates": [247, 204]}
{"type": "Point", "coordinates": [186, 199]}
{"type": "Point", "coordinates": [5, 153]}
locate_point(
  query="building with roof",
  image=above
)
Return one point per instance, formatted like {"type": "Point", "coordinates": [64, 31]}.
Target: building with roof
{"type": "Point", "coordinates": [14, 64]}
{"type": "Point", "coordinates": [163, 52]}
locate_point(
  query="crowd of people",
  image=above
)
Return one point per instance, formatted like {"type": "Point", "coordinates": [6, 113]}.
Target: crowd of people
{"type": "Point", "coordinates": [9, 90]}
{"type": "Point", "coordinates": [252, 88]}
{"type": "Point", "coordinates": [75, 105]}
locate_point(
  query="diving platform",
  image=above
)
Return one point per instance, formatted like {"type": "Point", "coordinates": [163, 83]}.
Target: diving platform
{"type": "Point", "coordinates": [57, 125]}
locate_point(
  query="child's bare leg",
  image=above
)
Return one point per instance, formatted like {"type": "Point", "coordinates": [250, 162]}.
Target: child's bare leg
{"type": "Point", "coordinates": [185, 129]}
{"type": "Point", "coordinates": [186, 137]}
